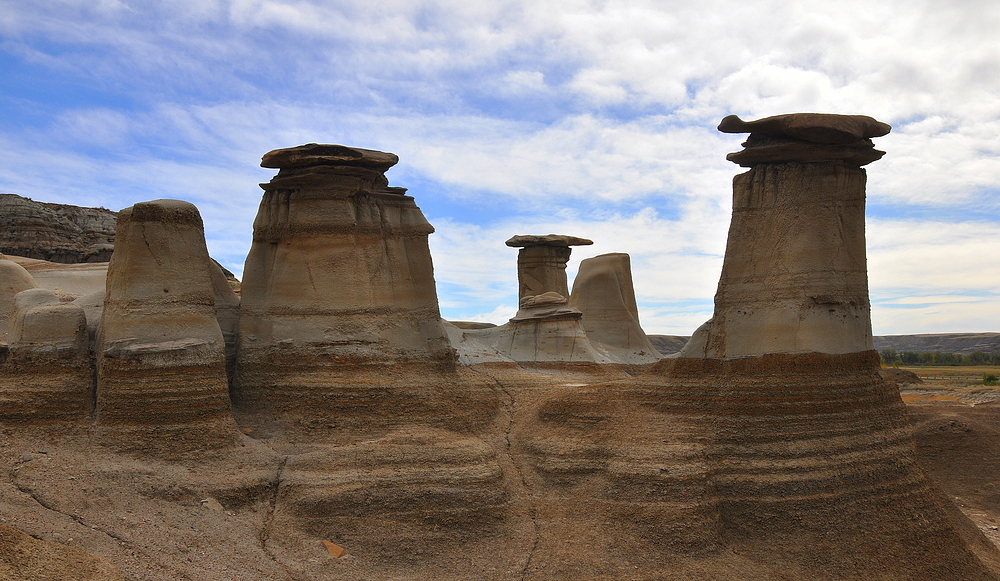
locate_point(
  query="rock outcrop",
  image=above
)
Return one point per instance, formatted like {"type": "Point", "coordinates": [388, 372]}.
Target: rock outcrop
{"type": "Point", "coordinates": [541, 263]}
{"type": "Point", "coordinates": [603, 292]}
{"type": "Point", "coordinates": [772, 446]}
{"type": "Point", "coordinates": [342, 349]}
{"type": "Point", "coordinates": [55, 232]}
{"type": "Point", "coordinates": [546, 328]}
{"type": "Point", "coordinates": [13, 279]}
{"type": "Point", "coordinates": [338, 283]}
{"type": "Point", "coordinates": [48, 374]}
{"type": "Point", "coordinates": [160, 352]}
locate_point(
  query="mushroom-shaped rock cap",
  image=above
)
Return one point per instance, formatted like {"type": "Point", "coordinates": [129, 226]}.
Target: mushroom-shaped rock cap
{"type": "Point", "coordinates": [312, 154]}
{"type": "Point", "coordinates": [813, 127]}
{"type": "Point", "coordinates": [524, 241]}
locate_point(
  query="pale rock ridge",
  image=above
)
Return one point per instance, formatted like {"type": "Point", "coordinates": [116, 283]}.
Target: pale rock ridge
{"type": "Point", "coordinates": [13, 279]}
{"type": "Point", "coordinates": [160, 352]}
{"type": "Point", "coordinates": [47, 375]}
{"type": "Point", "coordinates": [603, 292]}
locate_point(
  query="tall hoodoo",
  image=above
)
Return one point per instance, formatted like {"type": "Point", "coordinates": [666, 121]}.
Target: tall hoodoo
{"type": "Point", "coordinates": [339, 262]}
{"type": "Point", "coordinates": [772, 437]}
{"type": "Point", "coordinates": [160, 352]}
{"type": "Point", "coordinates": [795, 277]}
{"type": "Point", "coordinates": [339, 285]}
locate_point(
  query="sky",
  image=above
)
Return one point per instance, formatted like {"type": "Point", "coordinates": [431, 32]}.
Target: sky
{"type": "Point", "coordinates": [589, 118]}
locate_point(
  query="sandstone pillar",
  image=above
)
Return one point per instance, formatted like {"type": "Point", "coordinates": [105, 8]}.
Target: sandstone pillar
{"type": "Point", "coordinates": [795, 277]}
{"type": "Point", "coordinates": [339, 315]}
{"type": "Point", "coordinates": [541, 263]}
{"type": "Point", "coordinates": [160, 352]}
{"type": "Point", "coordinates": [603, 292]}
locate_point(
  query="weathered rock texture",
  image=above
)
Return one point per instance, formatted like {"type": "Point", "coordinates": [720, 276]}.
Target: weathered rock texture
{"type": "Point", "coordinates": [546, 327]}
{"type": "Point", "coordinates": [160, 352]}
{"type": "Point", "coordinates": [55, 232]}
{"type": "Point", "coordinates": [339, 285]}
{"type": "Point", "coordinates": [603, 292]}
{"type": "Point", "coordinates": [48, 373]}
{"type": "Point", "coordinates": [541, 263]}
{"type": "Point", "coordinates": [794, 279]}
{"type": "Point", "coordinates": [23, 558]}
{"type": "Point", "coordinates": [13, 279]}
{"type": "Point", "coordinates": [342, 352]}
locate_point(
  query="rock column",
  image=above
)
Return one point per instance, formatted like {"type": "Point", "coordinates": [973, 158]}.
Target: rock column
{"type": "Point", "coordinates": [160, 352]}
{"type": "Point", "coordinates": [339, 313]}
{"type": "Point", "coordinates": [603, 292]}
{"type": "Point", "coordinates": [795, 277]}
{"type": "Point", "coordinates": [541, 263]}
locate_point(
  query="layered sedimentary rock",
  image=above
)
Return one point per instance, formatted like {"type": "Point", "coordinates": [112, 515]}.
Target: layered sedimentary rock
{"type": "Point", "coordinates": [541, 263]}
{"type": "Point", "coordinates": [795, 278]}
{"type": "Point", "coordinates": [48, 374]}
{"type": "Point", "coordinates": [603, 292]}
{"type": "Point", "coordinates": [339, 283]}
{"type": "Point", "coordinates": [546, 328]}
{"type": "Point", "coordinates": [342, 348]}
{"type": "Point", "coordinates": [13, 279]}
{"type": "Point", "coordinates": [772, 448]}
{"type": "Point", "coordinates": [160, 352]}
{"type": "Point", "coordinates": [55, 232]}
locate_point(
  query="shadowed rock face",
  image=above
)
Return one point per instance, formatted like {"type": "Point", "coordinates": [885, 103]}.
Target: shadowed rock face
{"type": "Point", "coordinates": [160, 351]}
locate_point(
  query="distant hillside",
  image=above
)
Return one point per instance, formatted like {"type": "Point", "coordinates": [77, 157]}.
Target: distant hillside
{"type": "Point", "coordinates": [55, 232]}
{"type": "Point", "coordinates": [962, 343]}
{"type": "Point", "coordinates": [668, 344]}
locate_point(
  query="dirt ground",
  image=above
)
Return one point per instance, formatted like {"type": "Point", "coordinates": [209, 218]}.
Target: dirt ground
{"type": "Point", "coordinates": [957, 423]}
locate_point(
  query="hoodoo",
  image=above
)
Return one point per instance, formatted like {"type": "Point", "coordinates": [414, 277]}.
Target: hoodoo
{"type": "Point", "coordinates": [546, 328]}
{"type": "Point", "coordinates": [772, 448]}
{"type": "Point", "coordinates": [161, 357]}
{"type": "Point", "coordinates": [603, 292]}
{"type": "Point", "coordinates": [338, 280]}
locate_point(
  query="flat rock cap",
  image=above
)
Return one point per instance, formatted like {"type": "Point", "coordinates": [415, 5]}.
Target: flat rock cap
{"type": "Point", "coordinates": [312, 154]}
{"type": "Point", "coordinates": [523, 241]}
{"type": "Point", "coordinates": [822, 128]}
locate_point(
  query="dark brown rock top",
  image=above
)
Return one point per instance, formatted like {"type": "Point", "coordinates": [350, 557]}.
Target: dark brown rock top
{"type": "Point", "coordinates": [806, 138]}
{"type": "Point", "coordinates": [822, 128]}
{"type": "Point", "coordinates": [312, 154]}
{"type": "Point", "coordinates": [524, 241]}
{"type": "Point", "coordinates": [55, 232]}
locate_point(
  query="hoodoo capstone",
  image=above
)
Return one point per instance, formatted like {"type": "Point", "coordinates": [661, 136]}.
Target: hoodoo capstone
{"type": "Point", "coordinates": [160, 352]}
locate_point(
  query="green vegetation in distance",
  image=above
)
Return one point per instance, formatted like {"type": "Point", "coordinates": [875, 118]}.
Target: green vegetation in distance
{"type": "Point", "coordinates": [911, 358]}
